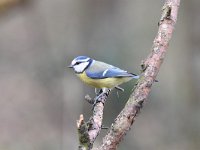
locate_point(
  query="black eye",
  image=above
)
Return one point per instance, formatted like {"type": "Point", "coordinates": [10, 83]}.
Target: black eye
{"type": "Point", "coordinates": [77, 63]}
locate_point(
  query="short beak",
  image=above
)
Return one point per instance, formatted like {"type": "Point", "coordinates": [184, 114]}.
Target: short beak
{"type": "Point", "coordinates": [70, 66]}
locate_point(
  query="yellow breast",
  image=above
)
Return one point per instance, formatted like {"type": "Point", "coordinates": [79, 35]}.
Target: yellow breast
{"type": "Point", "coordinates": [103, 83]}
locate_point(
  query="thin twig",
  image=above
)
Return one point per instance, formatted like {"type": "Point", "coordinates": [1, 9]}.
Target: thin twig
{"type": "Point", "coordinates": [88, 131]}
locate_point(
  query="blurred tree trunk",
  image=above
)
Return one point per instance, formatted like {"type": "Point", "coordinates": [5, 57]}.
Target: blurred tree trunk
{"type": "Point", "coordinates": [6, 4]}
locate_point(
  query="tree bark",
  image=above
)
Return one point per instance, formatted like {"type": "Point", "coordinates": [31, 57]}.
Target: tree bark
{"type": "Point", "coordinates": [150, 68]}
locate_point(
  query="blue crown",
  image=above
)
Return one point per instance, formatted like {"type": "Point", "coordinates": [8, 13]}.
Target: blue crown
{"type": "Point", "coordinates": [82, 58]}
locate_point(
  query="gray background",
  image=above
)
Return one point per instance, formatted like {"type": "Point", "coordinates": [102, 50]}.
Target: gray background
{"type": "Point", "coordinates": [41, 99]}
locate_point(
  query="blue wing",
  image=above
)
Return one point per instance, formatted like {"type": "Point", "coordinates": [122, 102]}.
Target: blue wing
{"type": "Point", "coordinates": [101, 70]}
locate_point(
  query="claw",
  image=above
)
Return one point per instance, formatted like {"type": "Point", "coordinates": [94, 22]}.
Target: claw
{"type": "Point", "coordinates": [103, 127]}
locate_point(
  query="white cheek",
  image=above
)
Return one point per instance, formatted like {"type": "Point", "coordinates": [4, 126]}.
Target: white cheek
{"type": "Point", "coordinates": [80, 68]}
{"type": "Point", "coordinates": [73, 62]}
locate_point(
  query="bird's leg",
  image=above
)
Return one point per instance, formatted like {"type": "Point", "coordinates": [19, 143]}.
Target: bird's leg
{"type": "Point", "coordinates": [96, 91]}
{"type": "Point", "coordinates": [117, 94]}
{"type": "Point", "coordinates": [119, 88]}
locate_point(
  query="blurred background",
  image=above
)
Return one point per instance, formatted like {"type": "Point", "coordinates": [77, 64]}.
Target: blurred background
{"type": "Point", "coordinates": [41, 99]}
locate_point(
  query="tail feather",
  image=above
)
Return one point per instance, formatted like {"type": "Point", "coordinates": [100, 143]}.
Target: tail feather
{"type": "Point", "coordinates": [135, 76]}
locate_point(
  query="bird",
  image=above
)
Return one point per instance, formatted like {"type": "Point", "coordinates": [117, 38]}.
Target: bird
{"type": "Point", "coordinates": [99, 74]}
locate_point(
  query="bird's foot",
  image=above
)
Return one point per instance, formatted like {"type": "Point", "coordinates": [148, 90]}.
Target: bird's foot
{"type": "Point", "coordinates": [98, 97]}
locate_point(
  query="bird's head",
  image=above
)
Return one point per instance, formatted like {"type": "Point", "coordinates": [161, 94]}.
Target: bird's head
{"type": "Point", "coordinates": [81, 63]}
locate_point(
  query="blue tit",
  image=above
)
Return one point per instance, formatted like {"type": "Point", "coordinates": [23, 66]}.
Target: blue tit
{"type": "Point", "coordinates": [99, 74]}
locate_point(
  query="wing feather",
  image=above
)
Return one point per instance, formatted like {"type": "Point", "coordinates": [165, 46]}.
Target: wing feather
{"type": "Point", "coordinates": [101, 70]}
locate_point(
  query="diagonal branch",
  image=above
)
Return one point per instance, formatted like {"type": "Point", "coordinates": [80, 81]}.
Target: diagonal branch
{"type": "Point", "coordinates": [150, 68]}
